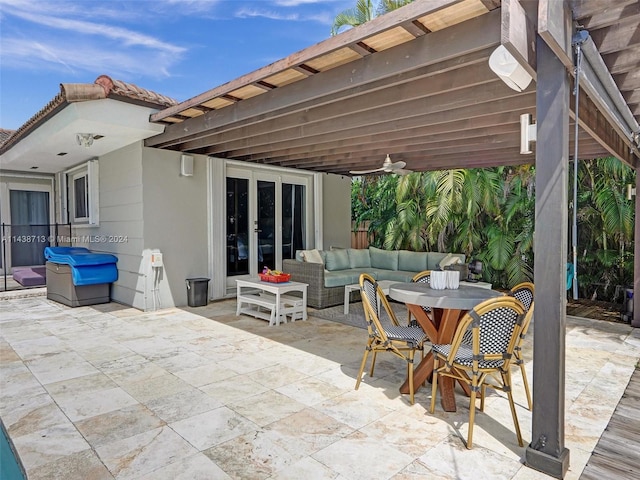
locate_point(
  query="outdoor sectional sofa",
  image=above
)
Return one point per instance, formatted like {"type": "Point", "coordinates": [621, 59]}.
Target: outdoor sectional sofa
{"type": "Point", "coordinates": [328, 271]}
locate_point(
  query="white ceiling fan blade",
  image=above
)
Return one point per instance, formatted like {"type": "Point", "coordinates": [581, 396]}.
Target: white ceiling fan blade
{"type": "Point", "coordinates": [398, 165]}
{"type": "Point", "coordinates": [364, 172]}
{"type": "Point", "coordinates": [402, 171]}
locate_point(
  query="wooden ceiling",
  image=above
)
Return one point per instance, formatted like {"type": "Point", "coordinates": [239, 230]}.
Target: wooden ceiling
{"type": "Point", "coordinates": [414, 83]}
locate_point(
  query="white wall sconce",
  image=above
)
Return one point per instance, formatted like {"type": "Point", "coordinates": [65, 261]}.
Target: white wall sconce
{"type": "Point", "coordinates": [631, 191]}
{"type": "Point", "coordinates": [528, 133]}
{"type": "Point", "coordinates": [186, 166]}
{"type": "Point", "coordinates": [505, 66]}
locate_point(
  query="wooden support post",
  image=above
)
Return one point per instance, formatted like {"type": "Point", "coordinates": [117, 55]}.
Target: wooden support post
{"type": "Point", "coordinates": [636, 259]}
{"type": "Point", "coordinates": [547, 452]}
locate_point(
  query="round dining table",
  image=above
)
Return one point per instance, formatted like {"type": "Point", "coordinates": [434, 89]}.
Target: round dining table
{"type": "Point", "coordinates": [447, 308]}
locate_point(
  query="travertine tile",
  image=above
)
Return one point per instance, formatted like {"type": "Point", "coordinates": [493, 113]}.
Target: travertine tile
{"type": "Point", "coordinates": [49, 444]}
{"type": "Point", "coordinates": [196, 467]}
{"type": "Point", "coordinates": [81, 465]}
{"type": "Point", "coordinates": [359, 456]}
{"type": "Point", "coordinates": [183, 404]}
{"type": "Point", "coordinates": [212, 427]}
{"type": "Point", "coordinates": [60, 366]}
{"type": "Point", "coordinates": [173, 394]}
{"type": "Point", "coordinates": [118, 424]}
{"type": "Point", "coordinates": [145, 452]}
{"type": "Point", "coordinates": [265, 408]}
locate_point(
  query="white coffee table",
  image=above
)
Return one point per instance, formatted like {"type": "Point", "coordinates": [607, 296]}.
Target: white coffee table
{"type": "Point", "coordinates": [384, 285]}
{"type": "Point", "coordinates": [272, 299]}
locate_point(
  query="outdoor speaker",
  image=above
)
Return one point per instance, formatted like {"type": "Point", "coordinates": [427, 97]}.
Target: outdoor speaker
{"type": "Point", "coordinates": [508, 69]}
{"type": "Point", "coordinates": [186, 166]}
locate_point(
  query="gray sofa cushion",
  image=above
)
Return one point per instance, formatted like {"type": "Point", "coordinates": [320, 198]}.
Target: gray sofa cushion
{"type": "Point", "coordinates": [412, 261]}
{"type": "Point", "coordinates": [336, 260]}
{"type": "Point", "coordinates": [359, 258]}
{"type": "Point", "coordinates": [387, 259]}
{"type": "Point", "coordinates": [340, 278]}
{"type": "Point", "coordinates": [395, 275]}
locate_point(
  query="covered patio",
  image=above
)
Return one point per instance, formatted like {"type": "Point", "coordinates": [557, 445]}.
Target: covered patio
{"type": "Point", "coordinates": [108, 391]}
{"type": "Point", "coordinates": [416, 84]}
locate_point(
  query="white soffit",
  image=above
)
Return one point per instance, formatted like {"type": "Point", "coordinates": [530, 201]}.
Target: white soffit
{"type": "Point", "coordinates": [119, 123]}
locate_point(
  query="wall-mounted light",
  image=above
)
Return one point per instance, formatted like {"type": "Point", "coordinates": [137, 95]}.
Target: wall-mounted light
{"type": "Point", "coordinates": [85, 139]}
{"type": "Point", "coordinates": [186, 166]}
{"type": "Point", "coordinates": [528, 133]}
{"type": "Point", "coordinates": [631, 191]}
{"type": "Point", "coordinates": [505, 65]}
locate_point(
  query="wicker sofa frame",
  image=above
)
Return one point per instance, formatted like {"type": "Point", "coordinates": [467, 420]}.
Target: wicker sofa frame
{"type": "Point", "coordinates": [318, 296]}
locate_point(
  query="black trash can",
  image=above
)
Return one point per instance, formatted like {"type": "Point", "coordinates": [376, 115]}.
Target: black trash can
{"type": "Point", "coordinates": [197, 291]}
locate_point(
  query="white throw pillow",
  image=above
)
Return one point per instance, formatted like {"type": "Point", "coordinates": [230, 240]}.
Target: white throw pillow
{"type": "Point", "coordinates": [448, 260]}
{"type": "Point", "coordinates": [312, 256]}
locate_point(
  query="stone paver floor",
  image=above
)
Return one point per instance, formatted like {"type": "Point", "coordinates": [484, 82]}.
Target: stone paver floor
{"type": "Point", "coordinates": [108, 392]}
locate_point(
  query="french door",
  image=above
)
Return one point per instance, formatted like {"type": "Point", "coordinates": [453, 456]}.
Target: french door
{"type": "Point", "coordinates": [267, 220]}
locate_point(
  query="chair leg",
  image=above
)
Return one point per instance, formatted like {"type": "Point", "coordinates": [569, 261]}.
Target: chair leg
{"type": "Point", "coordinates": [526, 385]}
{"type": "Point", "coordinates": [434, 384]}
{"type": "Point", "coordinates": [472, 409]}
{"type": "Point", "coordinates": [506, 378]}
{"type": "Point", "coordinates": [362, 364]}
{"type": "Point", "coordinates": [410, 374]}
{"type": "Point", "coordinates": [373, 362]}
{"type": "Point", "coordinates": [483, 391]}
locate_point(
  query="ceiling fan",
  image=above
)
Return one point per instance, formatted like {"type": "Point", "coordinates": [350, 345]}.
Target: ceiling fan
{"type": "Point", "coordinates": [387, 167]}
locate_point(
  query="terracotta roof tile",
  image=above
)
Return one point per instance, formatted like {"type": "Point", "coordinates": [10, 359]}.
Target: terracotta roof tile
{"type": "Point", "coordinates": [5, 134]}
{"type": "Point", "coordinates": [78, 92]}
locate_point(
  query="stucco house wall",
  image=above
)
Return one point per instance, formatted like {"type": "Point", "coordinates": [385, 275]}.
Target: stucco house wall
{"type": "Point", "coordinates": [175, 223]}
{"type": "Point", "coordinates": [336, 211]}
{"type": "Point", "coordinates": [121, 227]}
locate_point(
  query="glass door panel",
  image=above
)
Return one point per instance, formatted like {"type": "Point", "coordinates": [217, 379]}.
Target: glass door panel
{"type": "Point", "coordinates": [29, 227]}
{"type": "Point", "coordinates": [293, 219]}
{"type": "Point", "coordinates": [266, 224]}
{"type": "Point", "coordinates": [237, 226]}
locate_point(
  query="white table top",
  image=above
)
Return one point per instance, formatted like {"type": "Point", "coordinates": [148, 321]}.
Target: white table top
{"type": "Point", "coordinates": [462, 298]}
{"type": "Point", "coordinates": [249, 282]}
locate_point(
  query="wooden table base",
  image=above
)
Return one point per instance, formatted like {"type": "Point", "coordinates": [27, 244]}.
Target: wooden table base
{"type": "Point", "coordinates": [440, 330]}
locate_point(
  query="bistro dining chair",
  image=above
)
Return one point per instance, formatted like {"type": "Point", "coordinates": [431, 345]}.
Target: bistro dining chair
{"type": "Point", "coordinates": [422, 277]}
{"type": "Point", "coordinates": [495, 326]}
{"type": "Point", "coordinates": [402, 341]}
{"type": "Point", "coordinates": [523, 292]}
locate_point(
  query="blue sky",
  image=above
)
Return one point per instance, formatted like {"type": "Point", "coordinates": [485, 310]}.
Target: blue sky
{"type": "Point", "coordinates": [178, 48]}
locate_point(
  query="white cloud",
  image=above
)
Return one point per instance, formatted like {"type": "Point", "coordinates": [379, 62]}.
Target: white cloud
{"type": "Point", "coordinates": [126, 36]}
{"type": "Point", "coordinates": [253, 12]}
{"type": "Point", "coordinates": [63, 35]}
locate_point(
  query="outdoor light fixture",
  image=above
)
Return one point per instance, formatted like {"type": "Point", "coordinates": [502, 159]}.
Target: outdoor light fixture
{"type": "Point", "coordinates": [505, 65]}
{"type": "Point", "coordinates": [85, 139]}
{"type": "Point", "coordinates": [528, 133]}
{"type": "Point", "coordinates": [631, 191]}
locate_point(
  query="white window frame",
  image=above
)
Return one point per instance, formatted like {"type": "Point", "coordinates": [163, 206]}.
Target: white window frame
{"type": "Point", "coordinates": [68, 178]}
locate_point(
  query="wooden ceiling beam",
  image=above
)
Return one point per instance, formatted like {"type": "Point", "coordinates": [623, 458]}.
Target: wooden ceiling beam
{"type": "Point", "coordinates": [594, 122]}
{"type": "Point", "coordinates": [358, 137]}
{"type": "Point", "coordinates": [412, 11]}
{"type": "Point", "coordinates": [372, 157]}
{"type": "Point", "coordinates": [376, 90]}
{"type": "Point", "coordinates": [620, 36]}
{"type": "Point", "coordinates": [299, 127]}
{"type": "Point", "coordinates": [474, 35]}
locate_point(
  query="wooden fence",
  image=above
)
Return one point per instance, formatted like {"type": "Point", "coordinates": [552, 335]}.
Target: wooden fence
{"type": "Point", "coordinates": [360, 237]}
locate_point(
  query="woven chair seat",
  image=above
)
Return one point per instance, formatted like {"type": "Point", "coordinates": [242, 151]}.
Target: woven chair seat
{"type": "Point", "coordinates": [413, 336]}
{"type": "Point", "coordinates": [464, 356]}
